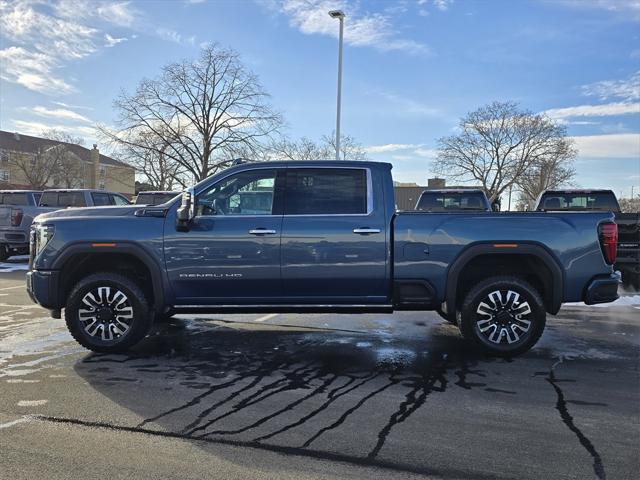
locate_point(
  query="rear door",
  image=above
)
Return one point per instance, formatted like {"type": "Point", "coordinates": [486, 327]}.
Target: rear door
{"type": "Point", "coordinates": [333, 239]}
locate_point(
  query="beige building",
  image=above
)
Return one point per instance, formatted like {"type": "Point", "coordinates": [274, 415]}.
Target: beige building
{"type": "Point", "coordinates": [28, 162]}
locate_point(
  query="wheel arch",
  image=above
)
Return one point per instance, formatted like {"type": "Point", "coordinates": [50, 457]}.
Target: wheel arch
{"type": "Point", "coordinates": [540, 265]}
{"type": "Point", "coordinates": [75, 259]}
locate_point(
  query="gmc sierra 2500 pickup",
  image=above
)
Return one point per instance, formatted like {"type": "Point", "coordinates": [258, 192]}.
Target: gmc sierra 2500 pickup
{"type": "Point", "coordinates": [315, 236]}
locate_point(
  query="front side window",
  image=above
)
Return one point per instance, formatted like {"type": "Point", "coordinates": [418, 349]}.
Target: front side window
{"type": "Point", "coordinates": [245, 193]}
{"type": "Point", "coordinates": [119, 200]}
{"type": "Point", "coordinates": [326, 191]}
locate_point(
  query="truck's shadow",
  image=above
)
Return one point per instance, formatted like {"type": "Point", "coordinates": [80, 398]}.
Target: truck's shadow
{"type": "Point", "coordinates": [295, 391]}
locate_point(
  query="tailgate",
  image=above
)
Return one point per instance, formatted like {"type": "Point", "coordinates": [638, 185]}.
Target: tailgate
{"type": "Point", "coordinates": [628, 234]}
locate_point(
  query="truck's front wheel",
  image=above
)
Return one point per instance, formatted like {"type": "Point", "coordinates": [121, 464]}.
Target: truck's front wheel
{"type": "Point", "coordinates": [107, 312]}
{"type": "Point", "coordinates": [503, 316]}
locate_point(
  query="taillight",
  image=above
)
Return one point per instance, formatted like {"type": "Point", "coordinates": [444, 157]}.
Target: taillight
{"type": "Point", "coordinates": [16, 217]}
{"type": "Point", "coordinates": [608, 233]}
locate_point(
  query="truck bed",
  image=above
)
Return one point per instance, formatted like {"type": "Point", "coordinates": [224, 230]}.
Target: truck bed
{"type": "Point", "coordinates": [427, 244]}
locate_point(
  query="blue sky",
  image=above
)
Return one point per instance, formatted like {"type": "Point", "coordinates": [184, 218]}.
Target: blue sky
{"type": "Point", "coordinates": [411, 68]}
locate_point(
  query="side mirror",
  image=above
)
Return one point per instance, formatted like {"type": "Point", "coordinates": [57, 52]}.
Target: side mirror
{"type": "Point", "coordinates": [186, 211]}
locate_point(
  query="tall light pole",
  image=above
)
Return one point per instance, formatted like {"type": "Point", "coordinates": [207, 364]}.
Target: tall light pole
{"type": "Point", "coordinates": [339, 14]}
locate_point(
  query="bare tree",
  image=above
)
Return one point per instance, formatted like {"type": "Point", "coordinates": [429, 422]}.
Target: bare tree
{"type": "Point", "coordinates": [349, 148]}
{"type": "Point", "coordinates": [630, 205]}
{"type": "Point", "coordinates": [69, 169]}
{"type": "Point", "coordinates": [497, 144]}
{"type": "Point", "coordinates": [147, 154]}
{"type": "Point", "coordinates": [200, 111]}
{"type": "Point", "coordinates": [306, 149]}
{"type": "Point", "coordinates": [546, 173]}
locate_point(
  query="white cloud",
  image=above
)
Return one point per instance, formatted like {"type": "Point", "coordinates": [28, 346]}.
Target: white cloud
{"type": "Point", "coordinates": [175, 37]}
{"type": "Point", "coordinates": [112, 41]}
{"type": "Point", "coordinates": [74, 107]}
{"type": "Point", "coordinates": [32, 70]}
{"type": "Point", "coordinates": [117, 13]}
{"type": "Point", "coordinates": [407, 105]}
{"type": "Point", "coordinates": [36, 128]}
{"type": "Point", "coordinates": [391, 147]}
{"type": "Point", "coordinates": [609, 109]}
{"type": "Point", "coordinates": [628, 89]}
{"type": "Point", "coordinates": [44, 36]}
{"type": "Point", "coordinates": [622, 145]}
{"type": "Point", "coordinates": [364, 29]}
{"type": "Point", "coordinates": [60, 113]}
{"type": "Point", "coordinates": [409, 150]}
{"type": "Point", "coordinates": [629, 8]}
{"type": "Point", "coordinates": [442, 4]}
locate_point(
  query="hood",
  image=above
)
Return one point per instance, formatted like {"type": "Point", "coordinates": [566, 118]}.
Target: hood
{"type": "Point", "coordinates": [109, 211]}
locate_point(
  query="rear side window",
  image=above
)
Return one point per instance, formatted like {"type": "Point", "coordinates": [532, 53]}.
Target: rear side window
{"type": "Point", "coordinates": [100, 199]}
{"type": "Point", "coordinates": [144, 199]}
{"type": "Point", "coordinates": [446, 202]}
{"type": "Point", "coordinates": [14, 199]}
{"type": "Point", "coordinates": [328, 191]}
{"type": "Point", "coordinates": [62, 199]}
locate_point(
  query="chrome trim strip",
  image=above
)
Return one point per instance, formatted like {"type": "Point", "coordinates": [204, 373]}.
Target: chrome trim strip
{"type": "Point", "coordinates": [267, 167]}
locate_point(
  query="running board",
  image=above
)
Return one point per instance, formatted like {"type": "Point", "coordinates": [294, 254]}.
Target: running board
{"type": "Point", "coordinates": [283, 309]}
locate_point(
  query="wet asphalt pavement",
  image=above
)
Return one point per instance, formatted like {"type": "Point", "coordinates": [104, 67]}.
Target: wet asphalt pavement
{"type": "Point", "coordinates": [318, 396]}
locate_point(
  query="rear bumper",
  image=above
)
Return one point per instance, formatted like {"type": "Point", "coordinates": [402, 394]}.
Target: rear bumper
{"type": "Point", "coordinates": [14, 238]}
{"type": "Point", "coordinates": [602, 289]}
{"type": "Point", "coordinates": [42, 287]}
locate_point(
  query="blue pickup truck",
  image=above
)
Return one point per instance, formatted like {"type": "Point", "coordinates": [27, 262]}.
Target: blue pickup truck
{"type": "Point", "coordinates": [315, 237]}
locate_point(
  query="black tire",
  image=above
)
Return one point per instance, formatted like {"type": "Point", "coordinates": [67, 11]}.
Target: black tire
{"type": "Point", "coordinates": [4, 253]}
{"type": "Point", "coordinates": [84, 301]}
{"type": "Point", "coordinates": [163, 317]}
{"type": "Point", "coordinates": [517, 327]}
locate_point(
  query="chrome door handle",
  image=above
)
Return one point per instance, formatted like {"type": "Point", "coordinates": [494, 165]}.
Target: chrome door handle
{"type": "Point", "coordinates": [365, 231]}
{"type": "Point", "coordinates": [262, 231]}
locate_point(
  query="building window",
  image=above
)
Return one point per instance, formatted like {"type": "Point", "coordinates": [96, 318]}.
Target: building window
{"type": "Point", "coordinates": [101, 185]}
{"type": "Point", "coordinates": [102, 170]}
{"type": "Point", "coordinates": [32, 160]}
{"type": "Point", "coordinates": [4, 157]}
{"type": "Point", "coordinates": [4, 175]}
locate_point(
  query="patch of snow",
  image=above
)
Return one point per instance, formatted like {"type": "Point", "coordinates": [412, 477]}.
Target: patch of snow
{"type": "Point", "coordinates": [623, 301]}
{"type": "Point", "coordinates": [31, 403]}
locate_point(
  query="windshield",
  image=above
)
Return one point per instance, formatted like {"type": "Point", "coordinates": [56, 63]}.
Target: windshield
{"type": "Point", "coordinates": [578, 201]}
{"type": "Point", "coordinates": [447, 202]}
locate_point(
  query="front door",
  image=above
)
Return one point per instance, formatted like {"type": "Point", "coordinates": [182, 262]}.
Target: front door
{"type": "Point", "coordinates": [334, 247]}
{"type": "Point", "coordinates": [231, 253]}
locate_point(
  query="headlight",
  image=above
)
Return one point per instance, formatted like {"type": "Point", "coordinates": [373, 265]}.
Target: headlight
{"type": "Point", "coordinates": [43, 235]}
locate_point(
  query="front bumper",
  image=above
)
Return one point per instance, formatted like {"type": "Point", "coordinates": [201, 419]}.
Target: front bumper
{"type": "Point", "coordinates": [602, 289]}
{"type": "Point", "coordinates": [42, 287]}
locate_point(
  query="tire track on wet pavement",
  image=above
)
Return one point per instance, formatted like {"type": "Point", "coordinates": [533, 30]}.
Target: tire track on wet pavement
{"type": "Point", "coordinates": [567, 419]}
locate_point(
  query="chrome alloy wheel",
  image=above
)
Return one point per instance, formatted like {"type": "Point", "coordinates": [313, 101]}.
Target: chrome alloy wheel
{"type": "Point", "coordinates": [502, 316]}
{"type": "Point", "coordinates": [108, 313]}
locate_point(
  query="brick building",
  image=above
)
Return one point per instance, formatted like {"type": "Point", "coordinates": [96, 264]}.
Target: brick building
{"type": "Point", "coordinates": [33, 163]}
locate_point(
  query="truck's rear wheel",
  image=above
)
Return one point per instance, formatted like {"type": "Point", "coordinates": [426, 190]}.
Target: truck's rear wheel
{"type": "Point", "coordinates": [107, 312]}
{"type": "Point", "coordinates": [503, 316]}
